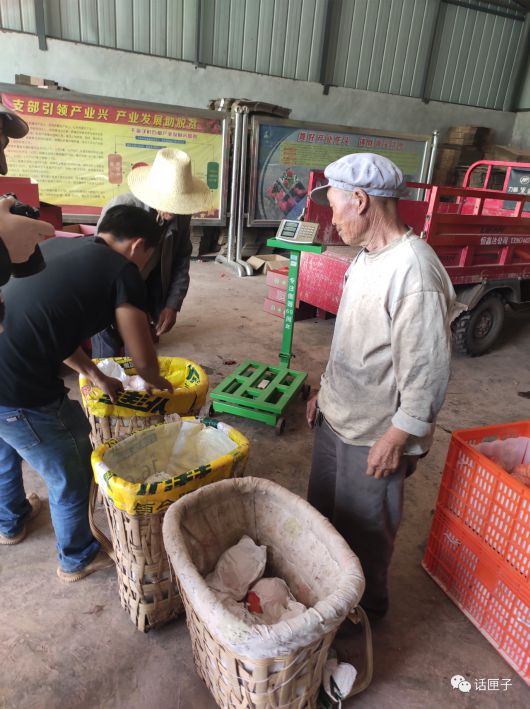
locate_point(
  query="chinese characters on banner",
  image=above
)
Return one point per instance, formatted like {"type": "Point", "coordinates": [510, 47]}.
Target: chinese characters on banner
{"type": "Point", "coordinates": [81, 153]}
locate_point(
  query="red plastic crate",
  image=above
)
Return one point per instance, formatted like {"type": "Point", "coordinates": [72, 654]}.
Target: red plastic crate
{"type": "Point", "coordinates": [276, 294]}
{"type": "Point", "coordinates": [321, 278]}
{"type": "Point", "coordinates": [487, 500]}
{"type": "Point", "coordinates": [474, 578]}
{"type": "Point", "coordinates": [278, 278]}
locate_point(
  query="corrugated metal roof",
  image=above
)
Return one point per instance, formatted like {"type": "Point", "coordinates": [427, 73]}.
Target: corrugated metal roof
{"type": "Point", "coordinates": [461, 51]}
{"type": "Point", "coordinates": [18, 15]}
{"type": "Point", "coordinates": [473, 57]}
{"type": "Point", "coordinates": [276, 37]}
{"type": "Point", "coordinates": [383, 45]}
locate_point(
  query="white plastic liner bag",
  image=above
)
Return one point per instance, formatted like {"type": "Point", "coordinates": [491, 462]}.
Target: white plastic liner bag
{"type": "Point", "coordinates": [160, 453]}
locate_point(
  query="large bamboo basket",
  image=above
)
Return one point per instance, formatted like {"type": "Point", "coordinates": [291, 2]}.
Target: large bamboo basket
{"type": "Point", "coordinates": [264, 666]}
{"type": "Point", "coordinates": [146, 585]}
{"type": "Point", "coordinates": [135, 411]}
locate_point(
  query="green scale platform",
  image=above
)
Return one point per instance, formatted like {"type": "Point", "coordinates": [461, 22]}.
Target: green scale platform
{"type": "Point", "coordinates": [261, 391]}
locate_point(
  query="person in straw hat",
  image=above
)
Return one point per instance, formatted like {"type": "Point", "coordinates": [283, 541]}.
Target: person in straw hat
{"type": "Point", "coordinates": [169, 190]}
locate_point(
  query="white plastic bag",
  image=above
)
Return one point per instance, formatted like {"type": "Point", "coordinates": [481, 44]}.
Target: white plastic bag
{"type": "Point", "coordinates": [160, 453]}
{"type": "Point", "coordinates": [508, 452]}
{"type": "Point", "coordinates": [112, 369]}
{"type": "Point", "coordinates": [270, 600]}
{"type": "Point", "coordinates": [338, 679]}
{"type": "Point", "coordinates": [237, 569]}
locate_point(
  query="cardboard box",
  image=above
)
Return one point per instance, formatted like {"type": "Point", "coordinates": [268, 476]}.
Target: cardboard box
{"type": "Point", "coordinates": [508, 153]}
{"type": "Point", "coordinates": [39, 81]}
{"type": "Point", "coordinates": [469, 135]}
{"type": "Point", "coordinates": [278, 277]}
{"type": "Point", "coordinates": [267, 262]}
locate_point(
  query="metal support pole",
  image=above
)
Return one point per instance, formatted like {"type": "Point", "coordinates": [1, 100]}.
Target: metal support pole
{"type": "Point", "coordinates": [428, 63]}
{"type": "Point", "coordinates": [229, 259]}
{"type": "Point", "coordinates": [329, 43]}
{"type": "Point", "coordinates": [432, 160]}
{"type": "Point", "coordinates": [242, 186]}
{"type": "Point", "coordinates": [40, 22]}
{"type": "Point", "coordinates": [518, 75]}
{"type": "Point", "coordinates": [198, 24]}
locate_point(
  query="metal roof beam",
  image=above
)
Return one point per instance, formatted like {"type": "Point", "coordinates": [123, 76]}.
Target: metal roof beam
{"type": "Point", "coordinates": [488, 10]}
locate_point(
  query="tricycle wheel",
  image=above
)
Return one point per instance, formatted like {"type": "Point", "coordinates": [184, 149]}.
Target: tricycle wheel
{"type": "Point", "coordinates": [476, 330]}
{"type": "Point", "coordinates": [306, 391]}
{"type": "Point", "coordinates": [280, 426]}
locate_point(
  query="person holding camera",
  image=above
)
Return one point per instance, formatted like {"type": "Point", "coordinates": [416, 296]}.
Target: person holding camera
{"type": "Point", "coordinates": [86, 284]}
{"type": "Point", "coordinates": [11, 126]}
{"type": "Point", "coordinates": [19, 235]}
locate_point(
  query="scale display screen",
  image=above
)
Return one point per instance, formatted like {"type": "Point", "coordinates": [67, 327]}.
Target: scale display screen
{"type": "Point", "coordinates": [289, 230]}
{"type": "Point", "coordinates": [294, 230]}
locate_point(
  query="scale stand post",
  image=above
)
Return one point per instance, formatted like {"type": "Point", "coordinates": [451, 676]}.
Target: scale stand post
{"type": "Point", "coordinates": [286, 351]}
{"type": "Point", "coordinates": [262, 392]}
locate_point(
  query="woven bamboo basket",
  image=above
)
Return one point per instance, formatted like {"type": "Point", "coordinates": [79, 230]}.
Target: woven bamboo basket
{"type": "Point", "coordinates": [136, 411]}
{"type": "Point", "coordinates": [291, 680]}
{"type": "Point", "coordinates": [147, 587]}
{"type": "Point", "coordinates": [103, 428]}
{"type": "Point", "coordinates": [281, 665]}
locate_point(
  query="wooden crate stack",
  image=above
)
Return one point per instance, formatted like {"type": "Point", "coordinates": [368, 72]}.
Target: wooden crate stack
{"type": "Point", "coordinates": [464, 145]}
{"type": "Point", "coordinates": [39, 82]}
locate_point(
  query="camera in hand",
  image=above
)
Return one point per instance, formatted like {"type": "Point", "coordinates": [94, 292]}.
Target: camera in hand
{"type": "Point", "coordinates": [35, 262]}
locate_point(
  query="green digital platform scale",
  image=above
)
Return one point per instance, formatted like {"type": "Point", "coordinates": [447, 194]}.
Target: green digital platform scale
{"type": "Point", "coordinates": [261, 391]}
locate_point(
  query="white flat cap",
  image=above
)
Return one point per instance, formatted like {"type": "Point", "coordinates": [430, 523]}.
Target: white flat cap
{"type": "Point", "coordinates": [373, 173]}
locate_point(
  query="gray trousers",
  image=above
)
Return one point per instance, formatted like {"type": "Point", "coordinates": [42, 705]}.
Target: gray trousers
{"type": "Point", "coordinates": [366, 511]}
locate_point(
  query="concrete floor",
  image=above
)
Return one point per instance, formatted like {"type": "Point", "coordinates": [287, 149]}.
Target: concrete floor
{"type": "Point", "coordinates": [73, 646]}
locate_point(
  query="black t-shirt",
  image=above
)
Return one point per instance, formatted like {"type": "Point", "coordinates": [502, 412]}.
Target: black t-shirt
{"type": "Point", "coordinates": [49, 314]}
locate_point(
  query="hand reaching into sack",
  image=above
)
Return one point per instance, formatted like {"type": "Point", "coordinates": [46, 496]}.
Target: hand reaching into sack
{"type": "Point", "coordinates": [158, 383]}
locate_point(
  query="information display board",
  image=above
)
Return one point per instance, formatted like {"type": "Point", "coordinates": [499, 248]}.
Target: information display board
{"type": "Point", "coordinates": [284, 151]}
{"type": "Point", "coordinates": [81, 148]}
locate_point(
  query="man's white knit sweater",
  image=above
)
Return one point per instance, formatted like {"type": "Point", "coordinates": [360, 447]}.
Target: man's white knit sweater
{"type": "Point", "coordinates": [391, 350]}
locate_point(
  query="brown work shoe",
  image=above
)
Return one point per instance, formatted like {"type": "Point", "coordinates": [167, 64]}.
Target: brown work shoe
{"type": "Point", "coordinates": [35, 502]}
{"type": "Point", "coordinates": [99, 562]}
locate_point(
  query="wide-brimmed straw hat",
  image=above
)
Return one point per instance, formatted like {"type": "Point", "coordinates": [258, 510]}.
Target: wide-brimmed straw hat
{"type": "Point", "coordinates": [14, 126]}
{"type": "Point", "coordinates": [168, 184]}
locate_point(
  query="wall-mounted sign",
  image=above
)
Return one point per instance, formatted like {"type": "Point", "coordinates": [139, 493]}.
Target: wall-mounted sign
{"type": "Point", "coordinates": [81, 148]}
{"type": "Point", "coordinates": [284, 152]}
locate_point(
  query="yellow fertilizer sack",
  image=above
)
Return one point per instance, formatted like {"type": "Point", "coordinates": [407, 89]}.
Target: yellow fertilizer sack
{"type": "Point", "coordinates": [190, 386]}
{"type": "Point", "coordinates": [146, 472]}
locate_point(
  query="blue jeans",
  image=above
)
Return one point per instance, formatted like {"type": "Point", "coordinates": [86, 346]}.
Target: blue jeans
{"type": "Point", "coordinates": [53, 439]}
{"type": "Point", "coordinates": [107, 343]}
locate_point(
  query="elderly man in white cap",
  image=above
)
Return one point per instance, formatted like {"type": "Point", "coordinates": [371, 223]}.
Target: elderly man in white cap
{"type": "Point", "coordinates": [170, 192]}
{"type": "Point", "coordinates": [388, 369]}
